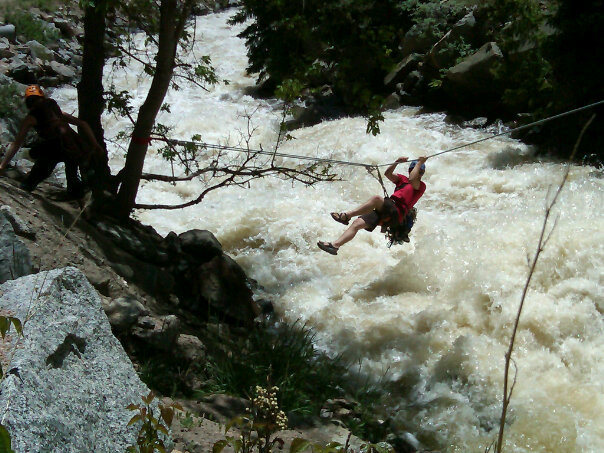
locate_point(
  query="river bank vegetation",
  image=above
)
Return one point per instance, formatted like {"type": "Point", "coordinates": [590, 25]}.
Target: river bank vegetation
{"type": "Point", "coordinates": [541, 58]}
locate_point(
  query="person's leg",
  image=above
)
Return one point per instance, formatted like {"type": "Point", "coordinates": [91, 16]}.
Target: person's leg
{"type": "Point", "coordinates": [74, 185]}
{"type": "Point", "coordinates": [41, 170]}
{"type": "Point", "coordinates": [350, 233]}
{"type": "Point", "coordinates": [376, 202]}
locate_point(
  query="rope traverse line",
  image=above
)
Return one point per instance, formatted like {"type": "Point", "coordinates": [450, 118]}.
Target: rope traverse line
{"type": "Point", "coordinates": [526, 126]}
{"type": "Point", "coordinates": [362, 164]}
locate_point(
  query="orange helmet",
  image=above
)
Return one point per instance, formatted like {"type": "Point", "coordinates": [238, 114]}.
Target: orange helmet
{"type": "Point", "coordinates": [33, 90]}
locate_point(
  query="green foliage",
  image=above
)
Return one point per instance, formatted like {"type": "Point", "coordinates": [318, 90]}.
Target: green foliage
{"type": "Point", "coordinates": [151, 426]}
{"type": "Point", "coordinates": [299, 445]}
{"type": "Point", "coordinates": [5, 441]}
{"type": "Point", "coordinates": [256, 429]}
{"type": "Point", "coordinates": [526, 73]}
{"type": "Point", "coordinates": [282, 355]}
{"type": "Point", "coordinates": [433, 17]}
{"type": "Point", "coordinates": [348, 44]}
{"type": "Point", "coordinates": [30, 27]}
{"type": "Point", "coordinates": [11, 100]}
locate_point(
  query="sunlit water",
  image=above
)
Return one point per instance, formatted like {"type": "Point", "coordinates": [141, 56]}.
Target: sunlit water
{"type": "Point", "coordinates": [437, 313]}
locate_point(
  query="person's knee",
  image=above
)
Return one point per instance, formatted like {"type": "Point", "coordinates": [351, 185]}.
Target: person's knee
{"type": "Point", "coordinates": [376, 199]}
{"type": "Point", "coordinates": [358, 224]}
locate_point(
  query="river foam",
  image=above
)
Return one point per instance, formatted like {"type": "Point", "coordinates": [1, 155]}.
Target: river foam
{"type": "Point", "coordinates": [437, 312]}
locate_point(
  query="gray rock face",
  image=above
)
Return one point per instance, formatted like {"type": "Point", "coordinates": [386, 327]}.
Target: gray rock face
{"type": "Point", "coordinates": [8, 32]}
{"type": "Point", "coordinates": [475, 71]}
{"type": "Point", "coordinates": [69, 382]}
{"type": "Point", "coordinates": [200, 243]}
{"type": "Point", "coordinates": [37, 50]}
{"type": "Point", "coordinates": [15, 260]}
{"type": "Point", "coordinates": [401, 70]}
{"type": "Point", "coordinates": [63, 71]}
{"type": "Point", "coordinates": [124, 312]}
{"type": "Point", "coordinates": [19, 226]}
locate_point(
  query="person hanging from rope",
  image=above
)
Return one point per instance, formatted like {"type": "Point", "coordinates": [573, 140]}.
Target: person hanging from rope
{"type": "Point", "coordinates": [59, 143]}
{"type": "Point", "coordinates": [390, 212]}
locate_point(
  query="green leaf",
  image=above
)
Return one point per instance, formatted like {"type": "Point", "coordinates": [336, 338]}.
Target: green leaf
{"type": "Point", "coordinates": [298, 444]}
{"type": "Point", "coordinates": [5, 442]}
{"type": "Point", "coordinates": [219, 446]}
{"type": "Point", "coordinates": [4, 325]}
{"type": "Point", "coordinates": [167, 414]}
{"type": "Point", "coordinates": [134, 419]}
{"type": "Point", "coordinates": [17, 323]}
{"type": "Point", "coordinates": [233, 422]}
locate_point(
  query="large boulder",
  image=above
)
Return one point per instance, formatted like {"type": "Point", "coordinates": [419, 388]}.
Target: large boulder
{"type": "Point", "coordinates": [418, 40]}
{"type": "Point", "coordinates": [202, 244]}
{"type": "Point", "coordinates": [222, 284]}
{"type": "Point", "coordinates": [475, 71]}
{"type": "Point", "coordinates": [37, 50]}
{"type": "Point", "coordinates": [443, 53]}
{"type": "Point", "coordinates": [69, 381]}
{"type": "Point", "coordinates": [472, 84]}
{"type": "Point", "coordinates": [403, 68]}
{"type": "Point", "coordinates": [8, 31]}
{"type": "Point", "coordinates": [15, 260]}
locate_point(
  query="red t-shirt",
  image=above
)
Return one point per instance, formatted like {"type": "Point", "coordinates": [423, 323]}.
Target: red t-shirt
{"type": "Point", "coordinates": [405, 197]}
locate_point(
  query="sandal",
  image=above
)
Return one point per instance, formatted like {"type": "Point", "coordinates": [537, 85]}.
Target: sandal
{"type": "Point", "coordinates": [328, 247]}
{"type": "Point", "coordinates": [341, 217]}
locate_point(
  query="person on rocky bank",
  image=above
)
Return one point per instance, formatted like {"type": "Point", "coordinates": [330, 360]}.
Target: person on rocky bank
{"type": "Point", "coordinates": [382, 211]}
{"type": "Point", "coordinates": [59, 143]}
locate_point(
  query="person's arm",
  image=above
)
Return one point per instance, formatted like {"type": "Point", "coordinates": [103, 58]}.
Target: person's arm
{"type": "Point", "coordinates": [389, 173]}
{"type": "Point", "coordinates": [26, 125]}
{"type": "Point", "coordinates": [84, 126]}
{"type": "Point", "coordinates": [415, 177]}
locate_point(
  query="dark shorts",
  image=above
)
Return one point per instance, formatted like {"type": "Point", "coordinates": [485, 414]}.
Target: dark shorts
{"type": "Point", "coordinates": [387, 214]}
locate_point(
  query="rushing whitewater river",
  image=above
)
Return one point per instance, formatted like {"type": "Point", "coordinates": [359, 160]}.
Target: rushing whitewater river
{"type": "Point", "coordinates": [437, 312]}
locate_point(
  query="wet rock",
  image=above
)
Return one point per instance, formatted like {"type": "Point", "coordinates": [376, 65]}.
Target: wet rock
{"type": "Point", "coordinates": [202, 244]}
{"type": "Point", "coordinates": [413, 81]}
{"type": "Point", "coordinates": [70, 381]}
{"type": "Point", "coordinates": [476, 123]}
{"type": "Point", "coordinates": [15, 260]}
{"type": "Point", "coordinates": [393, 101]}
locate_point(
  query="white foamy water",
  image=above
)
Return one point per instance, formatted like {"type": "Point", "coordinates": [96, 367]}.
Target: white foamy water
{"type": "Point", "coordinates": [437, 313]}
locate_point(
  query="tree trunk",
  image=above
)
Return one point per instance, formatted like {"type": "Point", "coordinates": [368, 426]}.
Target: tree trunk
{"type": "Point", "coordinates": [90, 88]}
{"type": "Point", "coordinates": [172, 21]}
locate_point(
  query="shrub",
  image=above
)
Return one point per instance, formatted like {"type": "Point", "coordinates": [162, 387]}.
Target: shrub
{"type": "Point", "coordinates": [281, 355]}
{"type": "Point", "coordinates": [30, 27]}
{"type": "Point", "coordinates": [11, 103]}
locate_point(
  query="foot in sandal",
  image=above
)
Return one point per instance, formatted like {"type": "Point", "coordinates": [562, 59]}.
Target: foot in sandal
{"type": "Point", "coordinates": [328, 247]}
{"type": "Point", "coordinates": [341, 217]}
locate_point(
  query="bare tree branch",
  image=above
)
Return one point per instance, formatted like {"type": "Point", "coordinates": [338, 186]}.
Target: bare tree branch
{"type": "Point", "coordinates": [507, 395]}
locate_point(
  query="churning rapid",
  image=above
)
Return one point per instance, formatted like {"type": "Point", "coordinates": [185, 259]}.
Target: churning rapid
{"type": "Point", "coordinates": [437, 312]}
